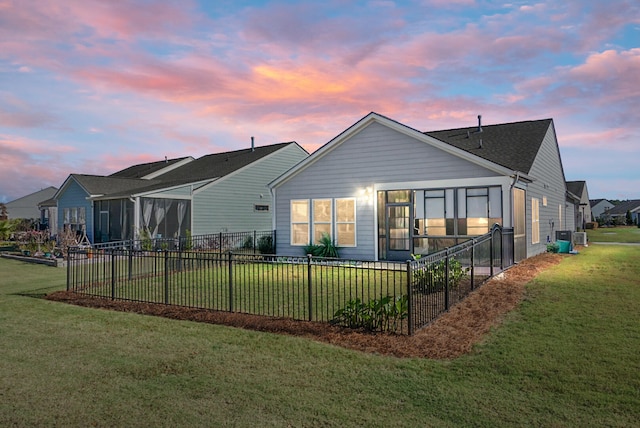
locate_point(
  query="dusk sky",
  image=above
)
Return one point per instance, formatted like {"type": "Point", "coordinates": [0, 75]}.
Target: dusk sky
{"type": "Point", "coordinates": [91, 87]}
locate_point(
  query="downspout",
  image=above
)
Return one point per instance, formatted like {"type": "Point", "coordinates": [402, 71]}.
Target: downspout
{"type": "Point", "coordinates": [136, 217]}
{"type": "Point", "coordinates": [515, 180]}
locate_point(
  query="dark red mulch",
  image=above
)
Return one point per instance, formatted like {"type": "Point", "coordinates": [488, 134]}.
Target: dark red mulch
{"type": "Point", "coordinates": [451, 335]}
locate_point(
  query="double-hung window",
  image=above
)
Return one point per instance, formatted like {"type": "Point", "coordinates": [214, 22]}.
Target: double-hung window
{"type": "Point", "coordinates": [300, 222]}
{"type": "Point", "coordinates": [346, 222]}
{"type": "Point", "coordinates": [322, 218]}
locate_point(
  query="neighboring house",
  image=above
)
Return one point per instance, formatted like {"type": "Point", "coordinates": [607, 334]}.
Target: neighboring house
{"type": "Point", "coordinates": [600, 207]}
{"type": "Point", "coordinates": [383, 190]}
{"type": "Point", "coordinates": [620, 211]}
{"type": "Point", "coordinates": [219, 192]}
{"type": "Point", "coordinates": [27, 206]}
{"type": "Point", "coordinates": [49, 216]}
{"type": "Point", "coordinates": [583, 211]}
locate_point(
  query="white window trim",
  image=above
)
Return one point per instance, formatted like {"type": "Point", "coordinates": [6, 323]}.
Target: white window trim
{"type": "Point", "coordinates": [308, 222]}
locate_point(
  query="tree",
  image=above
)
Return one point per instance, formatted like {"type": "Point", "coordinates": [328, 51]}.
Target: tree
{"type": "Point", "coordinates": [4, 215]}
{"type": "Point", "coordinates": [629, 218]}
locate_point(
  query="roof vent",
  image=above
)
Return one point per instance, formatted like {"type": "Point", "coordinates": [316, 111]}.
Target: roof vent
{"type": "Point", "coordinates": [480, 143]}
{"type": "Point", "coordinates": [479, 123]}
{"type": "Point", "coordinates": [252, 145]}
{"type": "Point", "coordinates": [166, 160]}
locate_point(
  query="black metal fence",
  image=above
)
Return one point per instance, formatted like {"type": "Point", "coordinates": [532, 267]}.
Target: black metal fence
{"type": "Point", "coordinates": [254, 241]}
{"type": "Point", "coordinates": [379, 296]}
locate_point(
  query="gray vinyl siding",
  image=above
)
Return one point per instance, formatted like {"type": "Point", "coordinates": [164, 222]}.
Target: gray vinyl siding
{"type": "Point", "coordinates": [550, 183]}
{"type": "Point", "coordinates": [227, 205]}
{"type": "Point", "coordinates": [74, 196]}
{"type": "Point", "coordinates": [375, 155]}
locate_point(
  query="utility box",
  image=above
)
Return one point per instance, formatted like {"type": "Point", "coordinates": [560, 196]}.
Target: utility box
{"type": "Point", "coordinates": [564, 235]}
{"type": "Point", "coordinates": [580, 238]}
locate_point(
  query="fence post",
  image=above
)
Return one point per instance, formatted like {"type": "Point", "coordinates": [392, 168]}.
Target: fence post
{"type": "Point", "coordinates": [255, 236]}
{"type": "Point", "coordinates": [230, 281]}
{"type": "Point", "coordinates": [130, 272]}
{"type": "Point", "coordinates": [68, 268]}
{"type": "Point", "coordinates": [446, 280]}
{"type": "Point", "coordinates": [273, 242]}
{"type": "Point", "coordinates": [309, 288]}
{"type": "Point", "coordinates": [409, 298]}
{"type": "Point", "coordinates": [491, 254]}
{"type": "Point", "coordinates": [113, 275]}
{"type": "Point", "coordinates": [166, 277]}
{"type": "Point", "coordinates": [473, 247]}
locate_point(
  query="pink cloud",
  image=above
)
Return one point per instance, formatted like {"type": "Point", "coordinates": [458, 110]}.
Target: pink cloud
{"type": "Point", "coordinates": [615, 139]}
{"type": "Point", "coordinates": [611, 75]}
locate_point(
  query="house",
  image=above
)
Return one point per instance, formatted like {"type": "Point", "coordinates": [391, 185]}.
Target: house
{"type": "Point", "coordinates": [583, 212]}
{"type": "Point", "coordinates": [619, 212]}
{"type": "Point", "coordinates": [599, 207]}
{"type": "Point", "coordinates": [218, 192]}
{"type": "Point", "coordinates": [26, 207]}
{"type": "Point", "coordinates": [383, 190]}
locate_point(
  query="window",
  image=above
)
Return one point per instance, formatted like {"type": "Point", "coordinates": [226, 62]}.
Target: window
{"type": "Point", "coordinates": [346, 222]}
{"type": "Point", "coordinates": [335, 217]}
{"type": "Point", "coordinates": [434, 216]}
{"type": "Point", "coordinates": [477, 211]}
{"type": "Point", "coordinates": [74, 218]}
{"type": "Point", "coordinates": [322, 219]}
{"type": "Point", "coordinates": [535, 221]}
{"type": "Point", "coordinates": [457, 212]}
{"type": "Point", "coordinates": [300, 222]}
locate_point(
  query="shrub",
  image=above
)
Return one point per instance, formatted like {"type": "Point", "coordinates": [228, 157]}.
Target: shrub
{"type": "Point", "coordinates": [553, 247]}
{"type": "Point", "coordinates": [325, 248]}
{"type": "Point", "coordinates": [383, 314]}
{"type": "Point", "coordinates": [434, 277]}
{"type": "Point", "coordinates": [145, 239]}
{"type": "Point", "coordinates": [248, 243]}
{"type": "Point", "coordinates": [265, 244]}
{"type": "Point", "coordinates": [188, 241]}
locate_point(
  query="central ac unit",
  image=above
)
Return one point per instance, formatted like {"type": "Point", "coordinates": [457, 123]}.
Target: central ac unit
{"type": "Point", "coordinates": [580, 238]}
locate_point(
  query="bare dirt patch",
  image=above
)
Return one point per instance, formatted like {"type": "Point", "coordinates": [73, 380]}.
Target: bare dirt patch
{"type": "Point", "coordinates": [451, 335]}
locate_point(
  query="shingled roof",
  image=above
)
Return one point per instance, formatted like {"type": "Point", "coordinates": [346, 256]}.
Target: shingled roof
{"type": "Point", "coordinates": [205, 169]}
{"type": "Point", "coordinates": [219, 164]}
{"type": "Point", "coordinates": [632, 205]}
{"type": "Point", "coordinates": [576, 187]}
{"type": "Point", "coordinates": [512, 145]}
{"type": "Point", "coordinates": [100, 185]}
{"type": "Point", "coordinates": [144, 169]}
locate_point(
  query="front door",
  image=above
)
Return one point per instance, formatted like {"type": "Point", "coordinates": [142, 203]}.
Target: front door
{"type": "Point", "coordinates": [398, 231]}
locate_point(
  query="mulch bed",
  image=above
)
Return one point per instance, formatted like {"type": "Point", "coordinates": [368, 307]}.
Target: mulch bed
{"type": "Point", "coordinates": [451, 335]}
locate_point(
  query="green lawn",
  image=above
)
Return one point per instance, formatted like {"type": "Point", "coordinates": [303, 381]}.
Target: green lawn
{"type": "Point", "coordinates": [626, 234]}
{"type": "Point", "coordinates": [569, 356]}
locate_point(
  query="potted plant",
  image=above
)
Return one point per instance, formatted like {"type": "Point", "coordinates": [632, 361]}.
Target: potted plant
{"type": "Point", "coordinates": [48, 247]}
{"type": "Point", "coordinates": [24, 249]}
